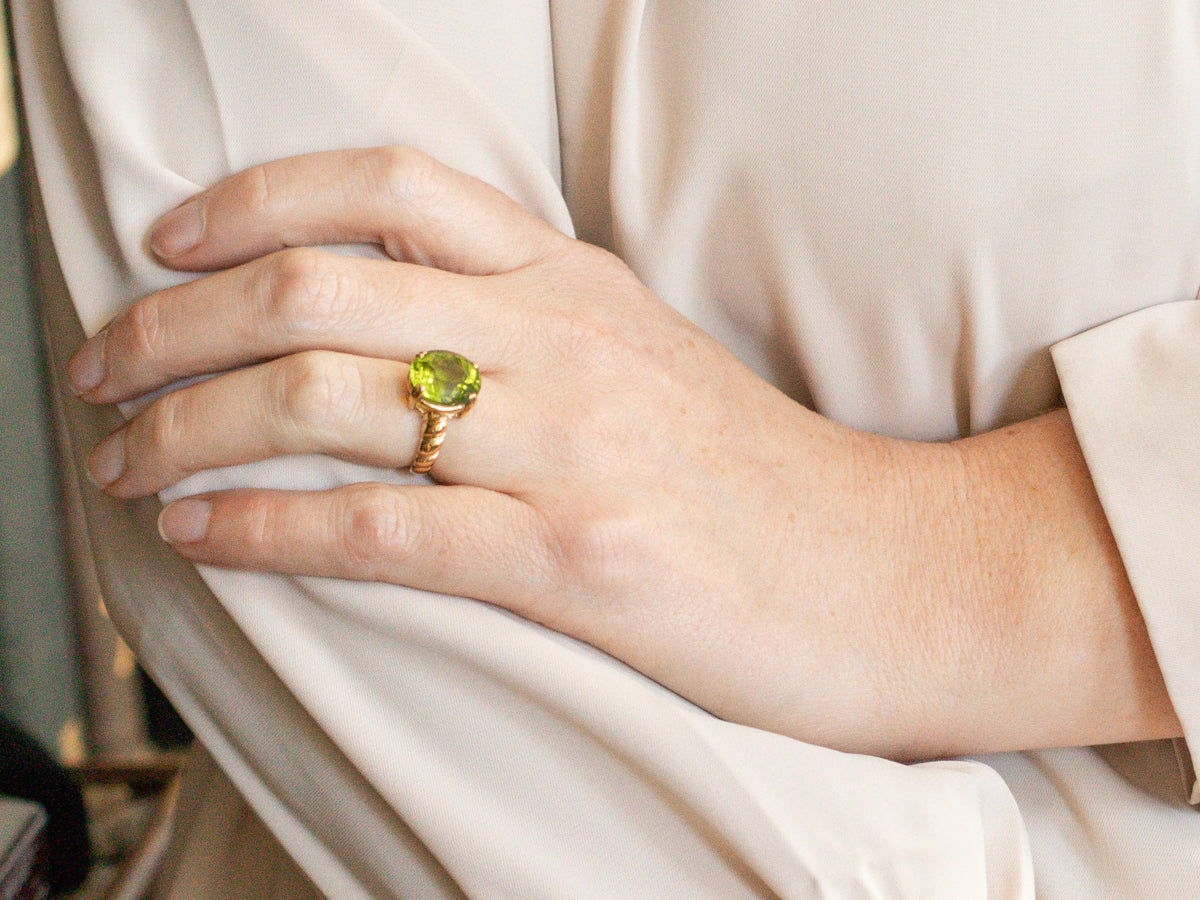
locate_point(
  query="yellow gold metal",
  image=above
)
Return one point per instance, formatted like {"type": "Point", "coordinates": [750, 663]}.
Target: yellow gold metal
{"type": "Point", "coordinates": [436, 417]}
{"type": "Point", "coordinates": [431, 440]}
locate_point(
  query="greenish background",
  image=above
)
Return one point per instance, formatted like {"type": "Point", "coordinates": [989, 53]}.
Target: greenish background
{"type": "Point", "coordinates": [39, 687]}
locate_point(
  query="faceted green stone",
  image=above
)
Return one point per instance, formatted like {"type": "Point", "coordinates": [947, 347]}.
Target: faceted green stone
{"type": "Point", "coordinates": [444, 378]}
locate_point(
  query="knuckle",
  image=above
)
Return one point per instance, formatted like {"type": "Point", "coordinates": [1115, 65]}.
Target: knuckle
{"type": "Point", "coordinates": [592, 552]}
{"type": "Point", "coordinates": [265, 526]}
{"type": "Point", "coordinates": [606, 273]}
{"type": "Point", "coordinates": [292, 270]}
{"type": "Point", "coordinates": [318, 391]}
{"type": "Point", "coordinates": [146, 329]}
{"type": "Point", "coordinates": [595, 260]}
{"type": "Point", "coordinates": [405, 175]}
{"type": "Point", "coordinates": [586, 337]}
{"type": "Point", "coordinates": [259, 190]}
{"type": "Point", "coordinates": [306, 292]}
{"type": "Point", "coordinates": [378, 529]}
{"type": "Point", "coordinates": [162, 425]}
{"type": "Point", "coordinates": [595, 333]}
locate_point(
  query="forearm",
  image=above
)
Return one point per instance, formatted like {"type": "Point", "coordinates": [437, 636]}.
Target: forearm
{"type": "Point", "coordinates": [1051, 647]}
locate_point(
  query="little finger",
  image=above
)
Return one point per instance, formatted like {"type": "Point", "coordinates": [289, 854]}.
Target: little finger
{"type": "Point", "coordinates": [459, 540]}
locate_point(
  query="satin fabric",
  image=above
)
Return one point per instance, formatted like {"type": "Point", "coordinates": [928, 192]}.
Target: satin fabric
{"type": "Point", "coordinates": [891, 212]}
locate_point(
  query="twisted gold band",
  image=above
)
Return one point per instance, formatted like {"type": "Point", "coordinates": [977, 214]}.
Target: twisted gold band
{"type": "Point", "coordinates": [441, 386]}
{"type": "Point", "coordinates": [431, 441]}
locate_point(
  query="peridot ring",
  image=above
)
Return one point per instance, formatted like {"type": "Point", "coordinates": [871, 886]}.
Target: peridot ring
{"type": "Point", "coordinates": [441, 386]}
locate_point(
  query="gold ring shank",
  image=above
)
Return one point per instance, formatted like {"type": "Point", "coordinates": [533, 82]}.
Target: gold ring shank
{"type": "Point", "coordinates": [432, 436]}
{"type": "Point", "coordinates": [442, 385]}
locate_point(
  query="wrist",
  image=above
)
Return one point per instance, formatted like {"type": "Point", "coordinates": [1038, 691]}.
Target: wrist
{"type": "Point", "coordinates": [1070, 659]}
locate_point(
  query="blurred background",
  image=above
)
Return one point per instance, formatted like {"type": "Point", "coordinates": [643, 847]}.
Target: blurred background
{"type": "Point", "coordinates": [39, 682]}
{"type": "Point", "coordinates": [87, 744]}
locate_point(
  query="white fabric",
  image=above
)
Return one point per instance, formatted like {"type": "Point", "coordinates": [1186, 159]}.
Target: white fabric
{"type": "Point", "coordinates": [891, 211]}
{"type": "Point", "coordinates": [1149, 497]}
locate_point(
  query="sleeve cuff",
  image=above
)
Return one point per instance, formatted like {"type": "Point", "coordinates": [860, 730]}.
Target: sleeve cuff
{"type": "Point", "coordinates": [1132, 387]}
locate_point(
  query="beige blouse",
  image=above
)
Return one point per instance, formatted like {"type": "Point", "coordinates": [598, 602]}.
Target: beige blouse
{"type": "Point", "coordinates": [924, 219]}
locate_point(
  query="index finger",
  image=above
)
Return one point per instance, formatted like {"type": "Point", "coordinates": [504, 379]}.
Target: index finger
{"type": "Point", "coordinates": [415, 208]}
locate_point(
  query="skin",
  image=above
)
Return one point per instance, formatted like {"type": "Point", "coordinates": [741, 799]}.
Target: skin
{"type": "Point", "coordinates": [622, 477]}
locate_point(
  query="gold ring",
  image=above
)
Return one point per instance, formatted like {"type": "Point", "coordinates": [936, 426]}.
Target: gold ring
{"type": "Point", "coordinates": [441, 386]}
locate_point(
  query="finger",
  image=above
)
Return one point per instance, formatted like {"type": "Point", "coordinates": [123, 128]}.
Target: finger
{"type": "Point", "coordinates": [457, 540]}
{"type": "Point", "coordinates": [408, 203]}
{"type": "Point", "coordinates": [291, 301]}
{"type": "Point", "coordinates": [349, 407]}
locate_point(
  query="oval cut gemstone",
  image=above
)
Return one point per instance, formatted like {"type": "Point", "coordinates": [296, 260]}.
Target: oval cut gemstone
{"type": "Point", "coordinates": [444, 378]}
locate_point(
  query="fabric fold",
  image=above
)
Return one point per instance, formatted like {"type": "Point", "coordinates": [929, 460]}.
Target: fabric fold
{"type": "Point", "coordinates": [1133, 390]}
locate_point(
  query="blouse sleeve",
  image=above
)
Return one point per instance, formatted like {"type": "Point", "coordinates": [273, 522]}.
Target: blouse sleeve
{"type": "Point", "coordinates": [1133, 390]}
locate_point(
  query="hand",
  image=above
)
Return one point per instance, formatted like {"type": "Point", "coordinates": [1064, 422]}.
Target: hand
{"type": "Point", "coordinates": [622, 478]}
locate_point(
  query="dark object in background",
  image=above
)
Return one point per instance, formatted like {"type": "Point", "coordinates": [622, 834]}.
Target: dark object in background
{"type": "Point", "coordinates": [28, 771]}
{"type": "Point", "coordinates": [165, 727]}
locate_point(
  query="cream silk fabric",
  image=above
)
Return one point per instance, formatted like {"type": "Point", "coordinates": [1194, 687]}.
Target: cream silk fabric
{"type": "Point", "coordinates": [893, 211]}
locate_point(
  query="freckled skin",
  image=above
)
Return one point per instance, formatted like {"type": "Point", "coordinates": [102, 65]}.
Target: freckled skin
{"type": "Point", "coordinates": [693, 522]}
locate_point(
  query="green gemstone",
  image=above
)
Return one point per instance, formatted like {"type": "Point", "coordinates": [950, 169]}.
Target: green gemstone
{"type": "Point", "coordinates": [444, 378]}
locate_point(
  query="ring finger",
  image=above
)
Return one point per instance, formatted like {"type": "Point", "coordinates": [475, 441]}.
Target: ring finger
{"type": "Point", "coordinates": [351, 407]}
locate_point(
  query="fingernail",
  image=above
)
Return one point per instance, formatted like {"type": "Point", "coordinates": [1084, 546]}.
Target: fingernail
{"type": "Point", "coordinates": [179, 230]}
{"type": "Point", "coordinates": [87, 367]}
{"type": "Point", "coordinates": [184, 521]}
{"type": "Point", "coordinates": [107, 461]}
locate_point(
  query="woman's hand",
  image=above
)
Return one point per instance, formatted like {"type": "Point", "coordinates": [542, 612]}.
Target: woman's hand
{"type": "Point", "coordinates": [621, 478]}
